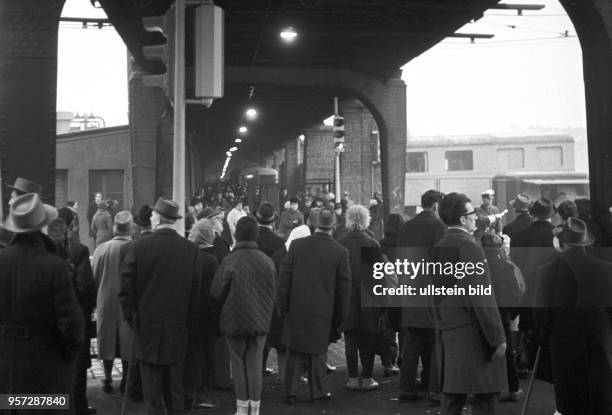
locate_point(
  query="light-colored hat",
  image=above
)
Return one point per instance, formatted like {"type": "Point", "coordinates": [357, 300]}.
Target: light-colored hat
{"type": "Point", "coordinates": [124, 223]}
{"type": "Point", "coordinates": [28, 214]}
{"type": "Point", "coordinates": [488, 192]}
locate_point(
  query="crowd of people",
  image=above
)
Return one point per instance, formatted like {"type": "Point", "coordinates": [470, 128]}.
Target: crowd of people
{"type": "Point", "coordinates": [180, 310]}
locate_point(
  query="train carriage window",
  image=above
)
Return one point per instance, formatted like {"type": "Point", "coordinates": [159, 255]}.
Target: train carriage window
{"type": "Point", "coordinates": [510, 158]}
{"type": "Point", "coordinates": [549, 157]}
{"type": "Point", "coordinates": [459, 160]}
{"type": "Point", "coordinates": [416, 162]}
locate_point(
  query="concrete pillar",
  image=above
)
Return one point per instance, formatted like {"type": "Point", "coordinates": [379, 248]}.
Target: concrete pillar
{"type": "Point", "coordinates": [293, 180]}
{"type": "Point", "coordinates": [358, 175]}
{"type": "Point", "coordinates": [318, 156]}
{"type": "Point", "coordinates": [393, 132]}
{"type": "Point", "coordinates": [28, 85]}
{"type": "Point", "coordinates": [593, 22]}
{"type": "Point", "coordinates": [147, 106]}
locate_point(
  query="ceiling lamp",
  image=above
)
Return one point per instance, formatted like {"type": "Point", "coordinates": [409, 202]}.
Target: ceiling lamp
{"type": "Point", "coordinates": [233, 149]}
{"type": "Point", "coordinates": [228, 153]}
{"type": "Point", "coordinates": [288, 34]}
{"type": "Point", "coordinates": [238, 140]}
{"type": "Point", "coordinates": [251, 113]}
{"type": "Point", "coordinates": [243, 130]}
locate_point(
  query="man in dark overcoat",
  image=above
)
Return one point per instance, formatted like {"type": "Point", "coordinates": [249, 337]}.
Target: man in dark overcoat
{"type": "Point", "coordinates": [521, 221]}
{"type": "Point", "coordinates": [471, 344]}
{"type": "Point", "coordinates": [41, 325]}
{"type": "Point", "coordinates": [314, 294]}
{"type": "Point", "coordinates": [576, 289]}
{"type": "Point", "coordinates": [159, 292]}
{"type": "Point", "coordinates": [78, 255]}
{"type": "Point", "coordinates": [269, 243]}
{"type": "Point", "coordinates": [531, 248]}
{"type": "Point", "coordinates": [420, 233]}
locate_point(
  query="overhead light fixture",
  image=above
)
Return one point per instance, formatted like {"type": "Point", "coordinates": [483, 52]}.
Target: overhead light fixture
{"type": "Point", "coordinates": [288, 34]}
{"type": "Point", "coordinates": [302, 137]}
{"type": "Point", "coordinates": [251, 113]}
{"type": "Point", "coordinates": [228, 153]}
{"type": "Point", "coordinates": [243, 130]}
{"type": "Point", "coordinates": [238, 140]}
{"type": "Point", "coordinates": [232, 149]}
{"type": "Point", "coordinates": [249, 176]}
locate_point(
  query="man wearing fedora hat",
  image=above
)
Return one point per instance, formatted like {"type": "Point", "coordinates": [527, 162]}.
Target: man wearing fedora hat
{"type": "Point", "coordinates": [23, 186]}
{"type": "Point", "coordinates": [41, 325]}
{"type": "Point", "coordinates": [522, 219]}
{"type": "Point", "coordinates": [575, 296]}
{"type": "Point", "coordinates": [269, 243]}
{"type": "Point", "coordinates": [531, 248]}
{"type": "Point", "coordinates": [314, 296]}
{"type": "Point", "coordinates": [159, 292]}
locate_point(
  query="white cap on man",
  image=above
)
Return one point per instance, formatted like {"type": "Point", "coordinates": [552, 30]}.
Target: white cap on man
{"type": "Point", "coordinates": [488, 192]}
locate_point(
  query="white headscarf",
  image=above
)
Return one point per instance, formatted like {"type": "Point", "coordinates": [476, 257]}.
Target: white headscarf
{"type": "Point", "coordinates": [301, 231]}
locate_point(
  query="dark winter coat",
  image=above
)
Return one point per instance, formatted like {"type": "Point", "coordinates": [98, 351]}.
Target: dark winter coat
{"type": "Point", "coordinates": [364, 319]}
{"type": "Point", "coordinates": [41, 323]}
{"type": "Point", "coordinates": [577, 288]}
{"type": "Point", "coordinates": [532, 247]}
{"type": "Point", "coordinates": [520, 223]}
{"type": "Point", "coordinates": [245, 284]}
{"type": "Point", "coordinates": [268, 242]}
{"type": "Point", "coordinates": [314, 292]}
{"type": "Point", "coordinates": [468, 327]}
{"type": "Point", "coordinates": [159, 285]}
{"type": "Point", "coordinates": [86, 293]}
{"type": "Point", "coordinates": [420, 233]}
{"type": "Point", "coordinates": [207, 316]}
{"type": "Point", "coordinates": [278, 321]}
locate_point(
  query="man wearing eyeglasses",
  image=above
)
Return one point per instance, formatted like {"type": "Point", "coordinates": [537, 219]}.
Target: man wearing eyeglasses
{"type": "Point", "coordinates": [470, 338]}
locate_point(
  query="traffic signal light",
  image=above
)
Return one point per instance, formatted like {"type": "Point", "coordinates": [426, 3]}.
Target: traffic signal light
{"type": "Point", "coordinates": [209, 51]}
{"type": "Point", "coordinates": [161, 52]}
{"type": "Point", "coordinates": [338, 129]}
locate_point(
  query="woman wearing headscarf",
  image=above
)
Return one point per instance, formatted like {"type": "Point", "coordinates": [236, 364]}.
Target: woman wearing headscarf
{"type": "Point", "coordinates": [362, 327]}
{"type": "Point", "coordinates": [200, 357]}
{"type": "Point", "coordinates": [276, 328]}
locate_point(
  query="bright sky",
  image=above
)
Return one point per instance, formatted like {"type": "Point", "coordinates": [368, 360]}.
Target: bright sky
{"type": "Point", "coordinates": [523, 77]}
{"type": "Point", "coordinates": [92, 67]}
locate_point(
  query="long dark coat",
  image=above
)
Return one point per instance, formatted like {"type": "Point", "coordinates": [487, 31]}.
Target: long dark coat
{"type": "Point", "coordinates": [159, 285]}
{"type": "Point", "coordinates": [314, 292]}
{"type": "Point", "coordinates": [364, 319]}
{"type": "Point", "coordinates": [531, 248]}
{"type": "Point", "coordinates": [36, 293]}
{"type": "Point", "coordinates": [577, 289]}
{"type": "Point", "coordinates": [468, 327]}
{"type": "Point", "coordinates": [420, 233]}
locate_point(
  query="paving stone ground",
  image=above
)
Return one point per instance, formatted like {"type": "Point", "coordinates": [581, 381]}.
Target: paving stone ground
{"type": "Point", "coordinates": [345, 402]}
